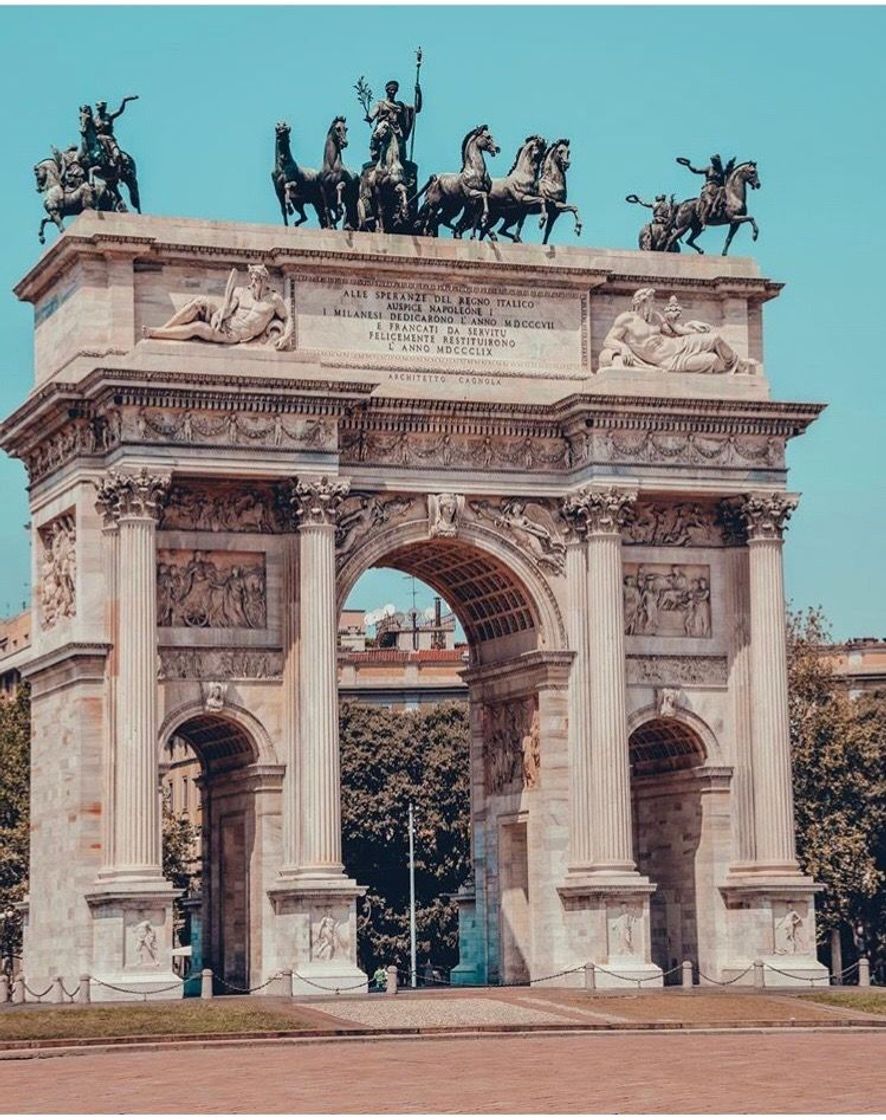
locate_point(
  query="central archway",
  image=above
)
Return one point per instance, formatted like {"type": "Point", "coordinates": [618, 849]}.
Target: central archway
{"type": "Point", "coordinates": [510, 616]}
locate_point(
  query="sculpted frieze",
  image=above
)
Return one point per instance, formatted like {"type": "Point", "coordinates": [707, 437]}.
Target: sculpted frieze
{"type": "Point", "coordinates": [212, 665]}
{"type": "Point", "coordinates": [674, 523]}
{"type": "Point", "coordinates": [445, 449]}
{"type": "Point", "coordinates": [676, 669]}
{"type": "Point", "coordinates": [511, 757]}
{"type": "Point", "coordinates": [234, 428]}
{"type": "Point", "coordinates": [667, 600]}
{"type": "Point", "coordinates": [689, 448]}
{"type": "Point", "coordinates": [222, 508]}
{"type": "Point", "coordinates": [58, 570]}
{"type": "Point", "coordinates": [533, 524]}
{"type": "Point", "coordinates": [223, 590]}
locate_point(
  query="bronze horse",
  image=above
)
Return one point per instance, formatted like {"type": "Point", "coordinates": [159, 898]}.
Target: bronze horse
{"type": "Point", "coordinates": [296, 186]}
{"type": "Point", "coordinates": [447, 195]}
{"type": "Point", "coordinates": [731, 211]}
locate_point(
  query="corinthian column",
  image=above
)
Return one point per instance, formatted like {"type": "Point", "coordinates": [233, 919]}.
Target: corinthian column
{"type": "Point", "coordinates": [765, 516]}
{"type": "Point", "coordinates": [602, 773]}
{"type": "Point", "coordinates": [133, 504]}
{"type": "Point", "coordinates": [315, 504]}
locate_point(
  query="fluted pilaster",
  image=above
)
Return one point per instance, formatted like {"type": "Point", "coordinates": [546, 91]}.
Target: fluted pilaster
{"type": "Point", "coordinates": [315, 504]}
{"type": "Point", "coordinates": [291, 620]}
{"type": "Point", "coordinates": [765, 516]}
{"type": "Point", "coordinates": [581, 784]}
{"type": "Point", "coordinates": [133, 504]}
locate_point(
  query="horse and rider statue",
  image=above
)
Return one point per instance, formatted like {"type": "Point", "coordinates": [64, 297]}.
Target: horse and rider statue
{"type": "Point", "coordinates": [87, 176]}
{"type": "Point", "coordinates": [722, 201]}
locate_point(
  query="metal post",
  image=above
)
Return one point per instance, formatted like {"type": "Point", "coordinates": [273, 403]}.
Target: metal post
{"type": "Point", "coordinates": [84, 995]}
{"type": "Point", "coordinates": [206, 984]}
{"type": "Point", "coordinates": [687, 974]}
{"type": "Point", "coordinates": [864, 972]}
{"type": "Point", "coordinates": [412, 959]}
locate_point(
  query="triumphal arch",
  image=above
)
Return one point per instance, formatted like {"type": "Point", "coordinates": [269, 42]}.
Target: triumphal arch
{"type": "Point", "coordinates": [577, 448]}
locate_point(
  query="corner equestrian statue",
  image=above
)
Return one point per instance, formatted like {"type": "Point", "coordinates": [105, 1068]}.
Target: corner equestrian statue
{"type": "Point", "coordinates": [721, 201]}
{"type": "Point", "coordinates": [88, 176]}
{"type": "Point", "coordinates": [655, 235]}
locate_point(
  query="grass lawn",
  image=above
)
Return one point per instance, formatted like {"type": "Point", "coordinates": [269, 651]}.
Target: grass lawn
{"type": "Point", "coordinates": [180, 1018]}
{"type": "Point", "coordinates": [872, 1000]}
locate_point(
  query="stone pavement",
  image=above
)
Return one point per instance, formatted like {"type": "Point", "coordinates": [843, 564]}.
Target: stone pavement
{"type": "Point", "coordinates": [693, 1072]}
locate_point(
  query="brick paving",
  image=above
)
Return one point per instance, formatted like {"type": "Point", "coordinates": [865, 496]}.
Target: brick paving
{"type": "Point", "coordinates": [730, 1072]}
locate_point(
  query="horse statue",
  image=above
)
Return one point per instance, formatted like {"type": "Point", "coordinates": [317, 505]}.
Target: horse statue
{"type": "Point", "coordinates": [512, 197]}
{"type": "Point", "coordinates": [383, 199]}
{"type": "Point", "coordinates": [447, 195]}
{"type": "Point", "coordinates": [103, 172]}
{"type": "Point", "coordinates": [340, 186]}
{"type": "Point", "coordinates": [296, 187]}
{"type": "Point", "coordinates": [655, 235]}
{"type": "Point", "coordinates": [730, 209]}
{"type": "Point", "coordinates": [65, 192]}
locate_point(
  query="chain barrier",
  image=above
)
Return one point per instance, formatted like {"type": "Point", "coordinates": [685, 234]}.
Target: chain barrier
{"type": "Point", "coordinates": [38, 996]}
{"type": "Point", "coordinates": [812, 980]}
{"type": "Point", "coordinates": [71, 995]}
{"type": "Point", "coordinates": [638, 980]}
{"type": "Point", "coordinates": [725, 983]}
{"type": "Point", "coordinates": [324, 988]}
{"type": "Point", "coordinates": [245, 991]}
{"type": "Point", "coordinates": [143, 992]}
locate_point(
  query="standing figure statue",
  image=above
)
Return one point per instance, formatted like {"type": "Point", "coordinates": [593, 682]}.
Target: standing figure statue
{"type": "Point", "coordinates": [104, 126]}
{"type": "Point", "coordinates": [107, 165]}
{"type": "Point", "coordinates": [655, 235]}
{"type": "Point", "coordinates": [401, 116]}
{"type": "Point", "coordinates": [722, 202]}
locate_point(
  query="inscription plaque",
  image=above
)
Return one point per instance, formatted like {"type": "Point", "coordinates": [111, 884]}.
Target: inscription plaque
{"type": "Point", "coordinates": [440, 324]}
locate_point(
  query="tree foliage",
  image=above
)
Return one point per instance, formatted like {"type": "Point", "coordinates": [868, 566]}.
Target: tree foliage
{"type": "Point", "coordinates": [15, 775]}
{"type": "Point", "coordinates": [388, 760]}
{"type": "Point", "coordinates": [839, 760]}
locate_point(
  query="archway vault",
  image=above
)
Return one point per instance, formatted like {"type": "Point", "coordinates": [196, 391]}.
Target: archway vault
{"type": "Point", "coordinates": [220, 740]}
{"type": "Point", "coordinates": [495, 589]}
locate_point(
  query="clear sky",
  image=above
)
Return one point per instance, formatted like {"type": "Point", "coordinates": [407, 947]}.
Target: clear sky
{"type": "Point", "coordinates": [801, 90]}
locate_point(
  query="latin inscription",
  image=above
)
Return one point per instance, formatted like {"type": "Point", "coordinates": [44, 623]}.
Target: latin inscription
{"type": "Point", "coordinates": [440, 324]}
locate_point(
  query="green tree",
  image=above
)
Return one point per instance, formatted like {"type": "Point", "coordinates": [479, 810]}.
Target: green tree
{"type": "Point", "coordinates": [388, 760]}
{"type": "Point", "coordinates": [15, 774]}
{"type": "Point", "coordinates": [839, 759]}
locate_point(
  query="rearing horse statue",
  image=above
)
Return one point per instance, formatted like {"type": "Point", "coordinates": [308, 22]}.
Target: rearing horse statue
{"type": "Point", "coordinates": [383, 201]}
{"type": "Point", "coordinates": [296, 186]}
{"type": "Point", "coordinates": [447, 195]}
{"type": "Point", "coordinates": [732, 211]}
{"type": "Point", "coordinates": [338, 184]}
{"type": "Point", "coordinates": [512, 197]}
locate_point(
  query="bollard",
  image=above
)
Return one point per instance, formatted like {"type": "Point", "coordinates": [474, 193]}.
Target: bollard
{"type": "Point", "coordinates": [84, 995]}
{"type": "Point", "coordinates": [391, 980]}
{"type": "Point", "coordinates": [284, 982]}
{"type": "Point", "coordinates": [206, 984]}
{"type": "Point", "coordinates": [18, 989]}
{"type": "Point", "coordinates": [57, 995]}
{"type": "Point", "coordinates": [758, 974]}
{"type": "Point", "coordinates": [687, 974]}
{"type": "Point", "coordinates": [864, 972]}
{"type": "Point", "coordinates": [4, 987]}
{"type": "Point", "coordinates": [590, 976]}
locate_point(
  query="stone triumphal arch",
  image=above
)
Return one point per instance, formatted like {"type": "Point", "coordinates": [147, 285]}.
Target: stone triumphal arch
{"type": "Point", "coordinates": [577, 448]}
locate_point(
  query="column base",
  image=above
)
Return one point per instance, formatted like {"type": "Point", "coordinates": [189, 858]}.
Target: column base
{"type": "Point", "coordinates": [771, 919]}
{"type": "Point", "coordinates": [132, 939]}
{"type": "Point", "coordinates": [315, 919]}
{"type": "Point", "coordinates": [607, 917]}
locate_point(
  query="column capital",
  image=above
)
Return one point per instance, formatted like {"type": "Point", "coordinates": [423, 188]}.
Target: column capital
{"type": "Point", "coordinates": [316, 501]}
{"type": "Point", "coordinates": [598, 510]}
{"type": "Point", "coordinates": [762, 515]}
{"type": "Point", "coordinates": [141, 495]}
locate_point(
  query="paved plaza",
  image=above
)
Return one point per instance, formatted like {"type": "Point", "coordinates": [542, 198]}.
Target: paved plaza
{"type": "Point", "coordinates": [754, 1072]}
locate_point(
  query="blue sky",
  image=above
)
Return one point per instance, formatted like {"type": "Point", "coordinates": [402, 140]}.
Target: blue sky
{"type": "Point", "coordinates": [801, 90]}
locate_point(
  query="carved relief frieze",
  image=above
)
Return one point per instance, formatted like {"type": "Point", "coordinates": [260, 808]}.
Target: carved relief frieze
{"type": "Point", "coordinates": [667, 600]}
{"type": "Point", "coordinates": [674, 523]}
{"type": "Point", "coordinates": [211, 665]}
{"type": "Point", "coordinates": [674, 669]}
{"type": "Point", "coordinates": [446, 449]}
{"type": "Point", "coordinates": [223, 507]}
{"type": "Point", "coordinates": [511, 747]}
{"type": "Point", "coordinates": [330, 934]}
{"type": "Point", "coordinates": [533, 524]}
{"type": "Point", "coordinates": [58, 570]}
{"type": "Point", "coordinates": [233, 428]}
{"type": "Point", "coordinates": [791, 933]}
{"type": "Point", "coordinates": [217, 590]}
{"type": "Point", "coordinates": [683, 449]}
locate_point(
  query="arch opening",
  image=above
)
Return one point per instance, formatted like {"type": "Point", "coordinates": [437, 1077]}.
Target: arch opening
{"type": "Point", "coordinates": [667, 817]}
{"type": "Point", "coordinates": [206, 759]}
